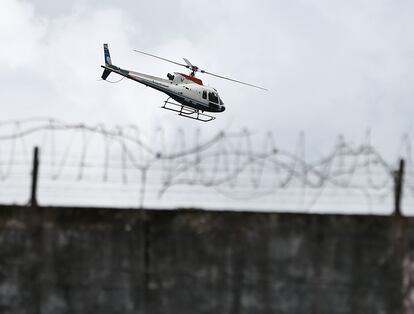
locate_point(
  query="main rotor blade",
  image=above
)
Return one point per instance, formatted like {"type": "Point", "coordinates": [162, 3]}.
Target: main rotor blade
{"type": "Point", "coordinates": [233, 80]}
{"type": "Point", "coordinates": [188, 62]}
{"type": "Point", "coordinates": [194, 69]}
{"type": "Point", "coordinates": [148, 54]}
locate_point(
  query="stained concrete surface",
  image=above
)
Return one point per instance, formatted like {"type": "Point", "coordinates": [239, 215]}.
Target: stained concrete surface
{"type": "Point", "coordinates": [80, 260]}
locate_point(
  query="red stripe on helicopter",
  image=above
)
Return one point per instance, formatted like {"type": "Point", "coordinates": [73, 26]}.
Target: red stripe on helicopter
{"type": "Point", "coordinates": [192, 78]}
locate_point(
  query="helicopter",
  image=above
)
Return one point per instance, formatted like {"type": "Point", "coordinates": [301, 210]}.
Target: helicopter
{"type": "Point", "coordinates": [186, 93]}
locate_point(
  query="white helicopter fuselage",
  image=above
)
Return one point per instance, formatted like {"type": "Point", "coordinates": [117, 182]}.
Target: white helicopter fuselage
{"type": "Point", "coordinates": [191, 96]}
{"type": "Point", "coordinates": [185, 89]}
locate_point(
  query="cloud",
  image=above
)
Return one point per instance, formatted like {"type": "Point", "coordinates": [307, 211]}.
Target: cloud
{"type": "Point", "coordinates": [330, 67]}
{"type": "Point", "coordinates": [20, 33]}
{"type": "Point", "coordinates": [51, 65]}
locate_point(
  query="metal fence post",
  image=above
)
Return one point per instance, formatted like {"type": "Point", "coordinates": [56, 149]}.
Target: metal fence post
{"type": "Point", "coordinates": [398, 187]}
{"type": "Point", "coordinates": [35, 172]}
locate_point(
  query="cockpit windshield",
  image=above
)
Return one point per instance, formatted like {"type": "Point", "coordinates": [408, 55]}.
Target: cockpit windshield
{"type": "Point", "coordinates": [213, 97]}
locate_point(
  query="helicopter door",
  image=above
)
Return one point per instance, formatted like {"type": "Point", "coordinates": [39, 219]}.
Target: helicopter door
{"type": "Point", "coordinates": [213, 100]}
{"type": "Point", "coordinates": [212, 97]}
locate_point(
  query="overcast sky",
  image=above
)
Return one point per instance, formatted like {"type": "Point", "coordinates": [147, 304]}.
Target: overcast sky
{"type": "Point", "coordinates": [330, 66]}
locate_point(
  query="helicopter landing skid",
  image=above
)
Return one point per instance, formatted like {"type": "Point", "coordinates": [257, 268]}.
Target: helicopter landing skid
{"type": "Point", "coordinates": [186, 111]}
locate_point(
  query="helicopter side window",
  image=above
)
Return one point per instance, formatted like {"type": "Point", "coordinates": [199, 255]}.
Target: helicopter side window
{"type": "Point", "coordinates": [204, 94]}
{"type": "Point", "coordinates": [213, 97]}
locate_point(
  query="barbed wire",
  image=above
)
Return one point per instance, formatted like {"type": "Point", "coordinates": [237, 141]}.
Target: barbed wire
{"type": "Point", "coordinates": [237, 165]}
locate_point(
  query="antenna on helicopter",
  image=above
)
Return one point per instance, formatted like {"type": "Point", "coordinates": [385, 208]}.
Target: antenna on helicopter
{"type": "Point", "coordinates": [194, 69]}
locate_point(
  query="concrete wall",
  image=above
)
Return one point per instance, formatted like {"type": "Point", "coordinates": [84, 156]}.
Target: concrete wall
{"type": "Point", "coordinates": [118, 261]}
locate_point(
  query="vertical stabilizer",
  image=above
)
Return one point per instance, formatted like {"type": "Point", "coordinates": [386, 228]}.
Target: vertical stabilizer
{"type": "Point", "coordinates": [107, 55]}
{"type": "Point", "coordinates": [108, 62]}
